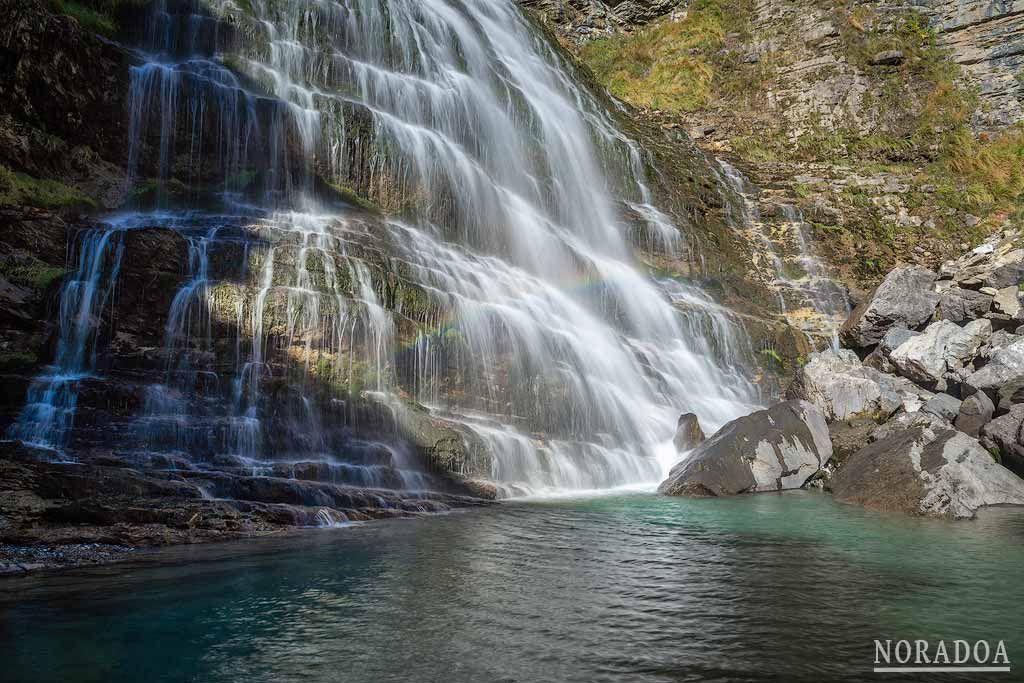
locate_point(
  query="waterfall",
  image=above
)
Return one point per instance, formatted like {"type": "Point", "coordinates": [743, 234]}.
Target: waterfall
{"type": "Point", "coordinates": [499, 290]}
{"type": "Point", "coordinates": [809, 297]}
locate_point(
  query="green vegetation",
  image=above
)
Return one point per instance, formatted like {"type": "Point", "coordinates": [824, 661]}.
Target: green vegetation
{"type": "Point", "coordinates": [97, 16]}
{"type": "Point", "coordinates": [20, 189]}
{"type": "Point", "coordinates": [675, 66]}
{"type": "Point", "coordinates": [30, 272]}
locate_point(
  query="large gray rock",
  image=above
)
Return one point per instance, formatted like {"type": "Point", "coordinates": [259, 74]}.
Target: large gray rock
{"type": "Point", "coordinates": [770, 450]}
{"type": "Point", "coordinates": [906, 298]}
{"type": "Point", "coordinates": [1003, 378]}
{"type": "Point", "coordinates": [1005, 436]}
{"type": "Point", "coordinates": [942, 347]}
{"type": "Point", "coordinates": [942, 405]}
{"type": "Point", "coordinates": [839, 385]}
{"type": "Point", "coordinates": [958, 305]}
{"type": "Point", "coordinates": [975, 412]}
{"type": "Point", "coordinates": [926, 469]}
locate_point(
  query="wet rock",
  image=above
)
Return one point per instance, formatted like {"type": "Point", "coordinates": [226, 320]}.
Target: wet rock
{"type": "Point", "coordinates": [1005, 436]}
{"type": "Point", "coordinates": [688, 433]}
{"type": "Point", "coordinates": [906, 298]}
{"type": "Point", "coordinates": [770, 450]}
{"type": "Point", "coordinates": [926, 470]}
{"type": "Point", "coordinates": [975, 412]}
{"type": "Point", "coordinates": [943, 406]}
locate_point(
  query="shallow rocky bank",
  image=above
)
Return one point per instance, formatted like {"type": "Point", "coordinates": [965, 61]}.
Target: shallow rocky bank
{"type": "Point", "coordinates": [924, 408]}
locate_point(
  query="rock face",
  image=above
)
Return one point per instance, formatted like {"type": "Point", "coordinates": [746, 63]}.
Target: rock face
{"type": "Point", "coordinates": [770, 450]}
{"type": "Point", "coordinates": [906, 297]}
{"type": "Point", "coordinates": [987, 39]}
{"type": "Point", "coordinates": [688, 434]}
{"type": "Point", "coordinates": [581, 20]}
{"type": "Point", "coordinates": [925, 469]}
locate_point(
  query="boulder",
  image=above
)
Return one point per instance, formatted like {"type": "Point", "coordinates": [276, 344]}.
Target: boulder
{"type": "Point", "coordinates": [1007, 270]}
{"type": "Point", "coordinates": [1003, 377]}
{"type": "Point", "coordinates": [1005, 436]}
{"type": "Point", "coordinates": [942, 347]}
{"type": "Point", "coordinates": [770, 450]}
{"type": "Point", "coordinates": [957, 304]}
{"type": "Point", "coordinates": [975, 412]}
{"type": "Point", "coordinates": [925, 468]}
{"type": "Point", "coordinates": [839, 385]}
{"type": "Point", "coordinates": [688, 433]}
{"type": "Point", "coordinates": [943, 406]}
{"type": "Point", "coordinates": [1007, 302]}
{"type": "Point", "coordinates": [906, 298]}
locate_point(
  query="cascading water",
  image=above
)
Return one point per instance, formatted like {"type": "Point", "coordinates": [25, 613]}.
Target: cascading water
{"type": "Point", "coordinates": [802, 282]}
{"type": "Point", "coordinates": [502, 295]}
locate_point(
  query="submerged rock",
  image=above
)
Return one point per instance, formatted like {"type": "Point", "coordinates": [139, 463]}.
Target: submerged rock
{"type": "Point", "coordinates": [925, 468]}
{"type": "Point", "coordinates": [688, 433]}
{"type": "Point", "coordinates": [770, 450]}
{"type": "Point", "coordinates": [906, 298]}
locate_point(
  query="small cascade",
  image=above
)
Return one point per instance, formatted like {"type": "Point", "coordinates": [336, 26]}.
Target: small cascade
{"type": "Point", "coordinates": [809, 298]}
{"type": "Point", "coordinates": [49, 411]}
{"type": "Point", "coordinates": [496, 307]}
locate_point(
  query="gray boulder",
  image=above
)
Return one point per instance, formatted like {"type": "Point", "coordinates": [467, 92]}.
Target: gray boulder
{"type": "Point", "coordinates": [943, 406]}
{"type": "Point", "coordinates": [770, 450]}
{"type": "Point", "coordinates": [906, 298]}
{"type": "Point", "coordinates": [1005, 436]}
{"type": "Point", "coordinates": [1003, 377]}
{"type": "Point", "coordinates": [975, 412]}
{"type": "Point", "coordinates": [925, 468]}
{"type": "Point", "coordinates": [957, 304]}
{"type": "Point", "coordinates": [688, 433]}
{"type": "Point", "coordinates": [942, 347]}
{"type": "Point", "coordinates": [841, 387]}
{"type": "Point", "coordinates": [1007, 303]}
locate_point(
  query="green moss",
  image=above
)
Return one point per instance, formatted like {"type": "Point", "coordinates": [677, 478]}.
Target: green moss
{"type": "Point", "coordinates": [87, 17]}
{"type": "Point", "coordinates": [31, 272]}
{"type": "Point", "coordinates": [20, 189]}
{"type": "Point", "coordinates": [352, 197]}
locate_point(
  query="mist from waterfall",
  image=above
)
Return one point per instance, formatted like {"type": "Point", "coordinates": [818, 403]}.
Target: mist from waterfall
{"type": "Point", "coordinates": [507, 185]}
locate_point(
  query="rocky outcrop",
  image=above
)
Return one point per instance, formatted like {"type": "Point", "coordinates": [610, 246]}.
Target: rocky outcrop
{"type": "Point", "coordinates": [905, 298]}
{"type": "Point", "coordinates": [925, 468]}
{"type": "Point", "coordinates": [770, 450]}
{"type": "Point", "coordinates": [943, 347]}
{"type": "Point", "coordinates": [578, 21]}
{"type": "Point", "coordinates": [688, 433]}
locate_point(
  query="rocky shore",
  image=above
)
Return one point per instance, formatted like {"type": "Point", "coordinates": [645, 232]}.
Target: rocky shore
{"type": "Point", "coordinates": [922, 413]}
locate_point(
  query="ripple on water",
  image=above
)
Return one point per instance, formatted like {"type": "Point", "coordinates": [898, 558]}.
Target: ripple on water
{"type": "Point", "coordinates": [624, 587]}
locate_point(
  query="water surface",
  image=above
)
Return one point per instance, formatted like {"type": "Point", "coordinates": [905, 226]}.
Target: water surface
{"type": "Point", "coordinates": [618, 588]}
